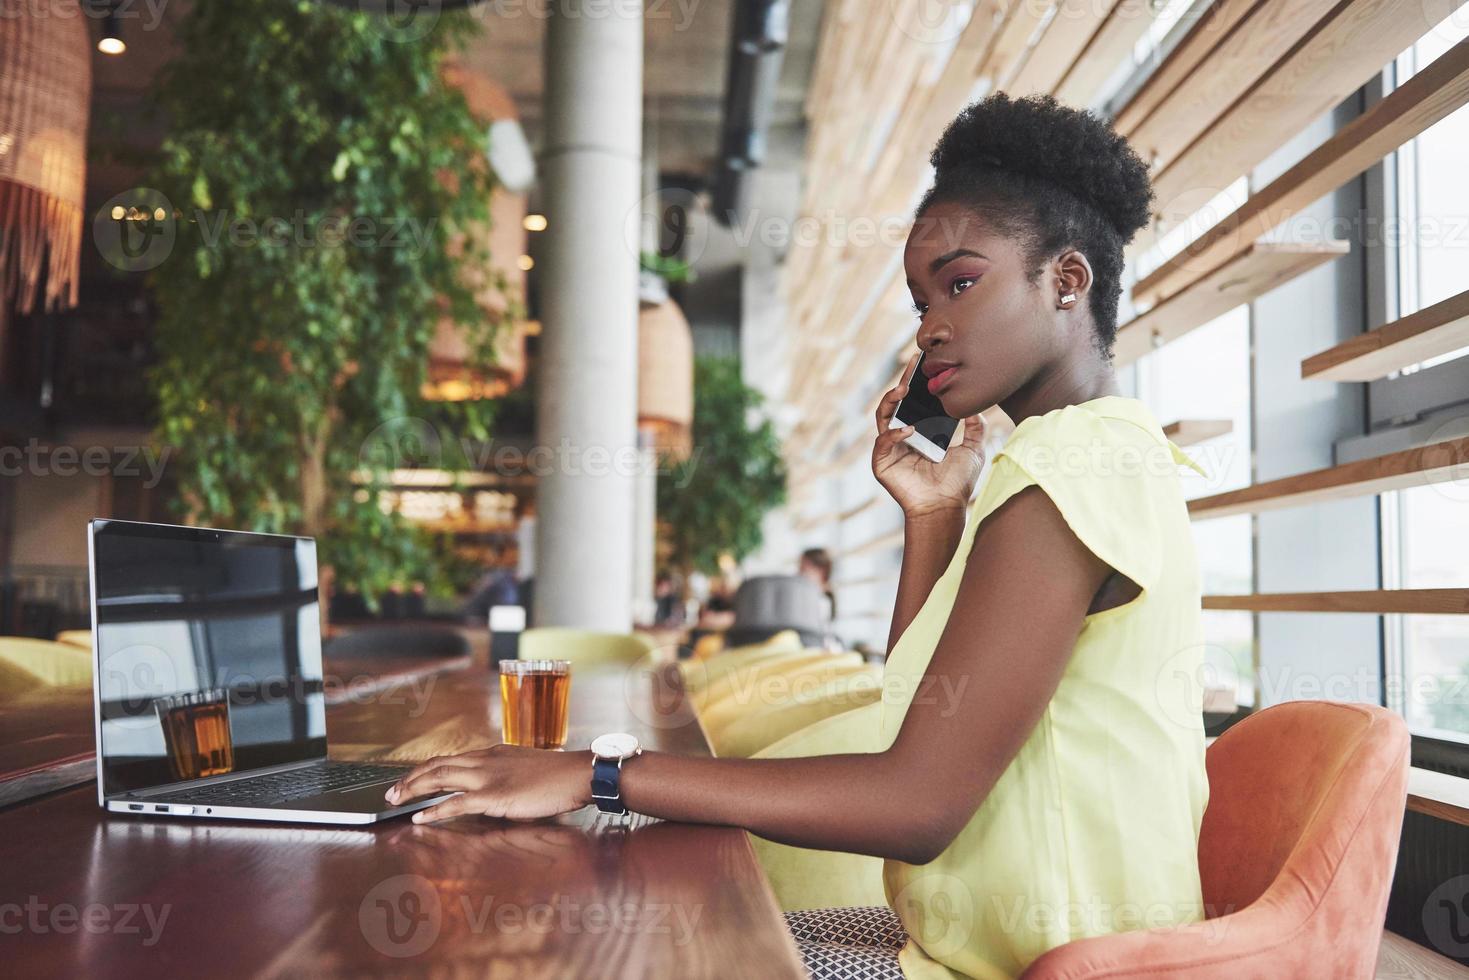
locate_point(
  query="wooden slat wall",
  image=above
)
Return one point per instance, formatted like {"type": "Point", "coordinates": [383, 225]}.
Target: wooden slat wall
{"type": "Point", "coordinates": [1244, 78]}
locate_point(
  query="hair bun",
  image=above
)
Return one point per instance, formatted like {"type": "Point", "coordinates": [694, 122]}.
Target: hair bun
{"type": "Point", "coordinates": [1036, 136]}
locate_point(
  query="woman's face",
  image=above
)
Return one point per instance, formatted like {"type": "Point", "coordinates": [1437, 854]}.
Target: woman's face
{"type": "Point", "coordinates": [986, 330]}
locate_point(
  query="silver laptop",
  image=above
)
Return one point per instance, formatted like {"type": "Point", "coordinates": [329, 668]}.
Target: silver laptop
{"type": "Point", "coordinates": [210, 696]}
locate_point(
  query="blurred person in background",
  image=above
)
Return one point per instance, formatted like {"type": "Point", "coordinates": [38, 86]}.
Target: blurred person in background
{"type": "Point", "coordinates": [816, 565]}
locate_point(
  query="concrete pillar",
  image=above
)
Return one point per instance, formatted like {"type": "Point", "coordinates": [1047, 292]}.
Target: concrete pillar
{"type": "Point", "coordinates": [587, 411]}
{"type": "Point", "coordinates": [645, 530]}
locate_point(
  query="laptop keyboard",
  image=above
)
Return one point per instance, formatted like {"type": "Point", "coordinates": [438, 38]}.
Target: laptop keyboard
{"type": "Point", "coordinates": [294, 784]}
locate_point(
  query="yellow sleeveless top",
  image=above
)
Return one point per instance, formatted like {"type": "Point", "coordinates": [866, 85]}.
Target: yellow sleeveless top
{"type": "Point", "coordinates": [1093, 828]}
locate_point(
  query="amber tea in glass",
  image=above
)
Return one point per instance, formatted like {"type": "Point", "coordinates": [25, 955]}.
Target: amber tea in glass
{"type": "Point", "coordinates": [534, 697]}
{"type": "Point", "coordinates": [196, 730]}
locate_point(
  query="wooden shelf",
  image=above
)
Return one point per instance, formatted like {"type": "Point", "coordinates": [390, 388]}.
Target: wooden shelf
{"type": "Point", "coordinates": [1223, 56]}
{"type": "Point", "coordinates": [1428, 97]}
{"type": "Point", "coordinates": [1438, 329]}
{"type": "Point", "coordinates": [1403, 601]}
{"type": "Point", "coordinates": [1439, 795]}
{"type": "Point", "coordinates": [1248, 275]}
{"type": "Point", "coordinates": [1423, 465]}
{"type": "Point", "coordinates": [1191, 432]}
{"type": "Point", "coordinates": [1334, 59]}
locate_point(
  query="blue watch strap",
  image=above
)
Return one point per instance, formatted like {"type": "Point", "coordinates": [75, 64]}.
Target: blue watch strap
{"type": "Point", "coordinates": [607, 785]}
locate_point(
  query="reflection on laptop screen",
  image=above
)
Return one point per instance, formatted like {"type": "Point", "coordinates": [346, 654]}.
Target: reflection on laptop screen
{"type": "Point", "coordinates": [208, 653]}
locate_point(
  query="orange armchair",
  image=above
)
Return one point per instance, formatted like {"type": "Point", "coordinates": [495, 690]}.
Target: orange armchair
{"type": "Point", "coordinates": [1296, 853]}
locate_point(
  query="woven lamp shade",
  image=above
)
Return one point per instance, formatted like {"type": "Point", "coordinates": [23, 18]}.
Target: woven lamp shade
{"type": "Point", "coordinates": [45, 95]}
{"type": "Point", "coordinates": [666, 378]}
{"type": "Point", "coordinates": [502, 242]}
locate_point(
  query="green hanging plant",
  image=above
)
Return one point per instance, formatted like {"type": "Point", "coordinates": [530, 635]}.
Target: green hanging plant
{"type": "Point", "coordinates": [713, 502]}
{"type": "Point", "coordinates": [323, 178]}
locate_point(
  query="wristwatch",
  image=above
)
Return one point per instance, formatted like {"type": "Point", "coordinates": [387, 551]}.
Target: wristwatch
{"type": "Point", "coordinates": [609, 752]}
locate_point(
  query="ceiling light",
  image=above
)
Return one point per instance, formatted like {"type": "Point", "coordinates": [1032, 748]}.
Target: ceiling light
{"type": "Point", "coordinates": [111, 40]}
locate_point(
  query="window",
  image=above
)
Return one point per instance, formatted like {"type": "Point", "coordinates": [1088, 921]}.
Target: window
{"type": "Point", "coordinates": [1433, 197]}
{"type": "Point", "coordinates": [1167, 382]}
{"type": "Point", "coordinates": [1424, 529]}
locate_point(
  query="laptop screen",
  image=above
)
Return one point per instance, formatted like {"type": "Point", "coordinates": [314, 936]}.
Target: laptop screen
{"type": "Point", "coordinates": [208, 653]}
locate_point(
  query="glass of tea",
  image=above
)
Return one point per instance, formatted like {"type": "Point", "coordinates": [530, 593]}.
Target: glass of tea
{"type": "Point", "coordinates": [196, 730]}
{"type": "Point", "coordinates": [534, 697]}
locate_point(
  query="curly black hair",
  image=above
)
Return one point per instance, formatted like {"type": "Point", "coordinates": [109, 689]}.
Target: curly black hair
{"type": "Point", "coordinates": [1053, 178]}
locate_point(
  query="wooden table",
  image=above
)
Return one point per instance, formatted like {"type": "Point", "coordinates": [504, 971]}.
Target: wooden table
{"type": "Point", "coordinates": [107, 894]}
{"type": "Point", "coordinates": [48, 736]}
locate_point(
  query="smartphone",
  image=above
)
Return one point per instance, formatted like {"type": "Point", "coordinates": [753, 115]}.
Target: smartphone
{"type": "Point", "coordinates": [932, 426]}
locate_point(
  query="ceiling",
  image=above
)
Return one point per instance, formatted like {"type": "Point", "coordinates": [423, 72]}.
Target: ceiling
{"type": "Point", "coordinates": [685, 53]}
{"type": "Point", "coordinates": [686, 45]}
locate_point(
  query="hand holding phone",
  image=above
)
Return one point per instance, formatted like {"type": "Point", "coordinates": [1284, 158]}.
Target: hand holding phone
{"type": "Point", "coordinates": [933, 428]}
{"type": "Point", "coordinates": [912, 458]}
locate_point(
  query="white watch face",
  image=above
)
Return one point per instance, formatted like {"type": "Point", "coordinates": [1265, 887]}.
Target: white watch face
{"type": "Point", "coordinates": [615, 745]}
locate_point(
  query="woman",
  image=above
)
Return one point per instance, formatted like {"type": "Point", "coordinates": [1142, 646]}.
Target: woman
{"type": "Point", "coordinates": [1044, 779]}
